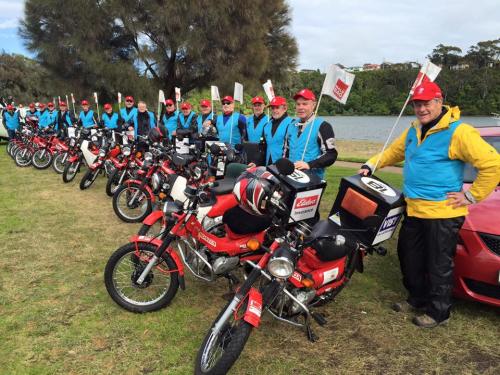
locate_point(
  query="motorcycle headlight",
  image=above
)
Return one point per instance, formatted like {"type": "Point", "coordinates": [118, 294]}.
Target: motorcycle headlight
{"type": "Point", "coordinates": [132, 164]}
{"type": "Point", "coordinates": [281, 264]}
{"type": "Point", "coordinates": [126, 151]}
{"type": "Point", "coordinates": [148, 156]}
{"type": "Point", "coordinates": [155, 181]}
{"type": "Point", "coordinates": [210, 222]}
{"type": "Point", "coordinates": [102, 153]}
{"type": "Point", "coordinates": [94, 138]}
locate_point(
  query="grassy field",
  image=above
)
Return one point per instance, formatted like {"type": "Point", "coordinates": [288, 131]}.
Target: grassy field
{"type": "Point", "coordinates": [56, 317]}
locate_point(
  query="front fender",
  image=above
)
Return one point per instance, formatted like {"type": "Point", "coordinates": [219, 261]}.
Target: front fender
{"type": "Point", "coordinates": [153, 217]}
{"type": "Point", "coordinates": [254, 308]}
{"type": "Point", "coordinates": [146, 186]}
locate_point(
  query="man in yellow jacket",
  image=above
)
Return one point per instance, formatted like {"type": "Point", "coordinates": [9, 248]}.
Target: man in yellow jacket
{"type": "Point", "coordinates": [435, 149]}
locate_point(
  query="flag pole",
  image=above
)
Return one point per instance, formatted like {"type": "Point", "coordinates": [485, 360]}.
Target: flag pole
{"type": "Point", "coordinates": [419, 81]}
{"type": "Point", "coordinates": [73, 101]}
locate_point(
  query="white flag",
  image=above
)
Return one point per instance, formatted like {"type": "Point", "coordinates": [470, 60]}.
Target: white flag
{"type": "Point", "coordinates": [238, 92]}
{"type": "Point", "coordinates": [120, 97]}
{"type": "Point", "coordinates": [177, 94]}
{"type": "Point", "coordinates": [268, 89]}
{"type": "Point", "coordinates": [427, 73]}
{"type": "Point", "coordinates": [214, 91]}
{"type": "Point", "coordinates": [161, 96]}
{"type": "Point", "coordinates": [337, 83]}
{"type": "Point", "coordinates": [95, 98]}
{"type": "Point", "coordinates": [59, 99]}
{"type": "Point", "coordinates": [72, 99]}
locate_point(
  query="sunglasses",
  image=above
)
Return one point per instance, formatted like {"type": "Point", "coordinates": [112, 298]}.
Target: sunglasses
{"type": "Point", "coordinates": [226, 103]}
{"type": "Point", "coordinates": [128, 101]}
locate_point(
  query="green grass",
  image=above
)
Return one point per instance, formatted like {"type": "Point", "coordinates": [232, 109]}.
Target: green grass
{"type": "Point", "coordinates": [56, 317]}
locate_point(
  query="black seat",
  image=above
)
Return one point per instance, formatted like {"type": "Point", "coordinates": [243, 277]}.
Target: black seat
{"type": "Point", "coordinates": [326, 249]}
{"type": "Point", "coordinates": [182, 160]}
{"type": "Point", "coordinates": [241, 222]}
{"type": "Point", "coordinates": [225, 186]}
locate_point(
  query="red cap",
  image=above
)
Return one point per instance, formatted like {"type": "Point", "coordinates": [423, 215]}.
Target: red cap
{"type": "Point", "coordinates": [205, 103]}
{"type": "Point", "coordinates": [228, 98]}
{"type": "Point", "coordinates": [107, 106]}
{"type": "Point", "coordinates": [62, 104]}
{"type": "Point", "coordinates": [9, 107]}
{"type": "Point", "coordinates": [258, 99]}
{"type": "Point", "coordinates": [185, 105]}
{"type": "Point", "coordinates": [306, 94]}
{"type": "Point", "coordinates": [50, 104]}
{"type": "Point", "coordinates": [41, 105]}
{"type": "Point", "coordinates": [129, 98]}
{"type": "Point", "coordinates": [85, 102]}
{"type": "Point", "coordinates": [32, 105]}
{"type": "Point", "coordinates": [427, 91]}
{"type": "Point", "coordinates": [169, 102]}
{"type": "Point", "coordinates": [277, 101]}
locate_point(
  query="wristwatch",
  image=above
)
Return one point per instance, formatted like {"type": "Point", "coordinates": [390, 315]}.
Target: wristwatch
{"type": "Point", "coordinates": [470, 197]}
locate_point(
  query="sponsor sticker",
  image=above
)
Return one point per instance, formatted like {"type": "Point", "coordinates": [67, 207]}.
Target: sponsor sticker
{"type": "Point", "coordinates": [378, 186]}
{"type": "Point", "coordinates": [255, 307]}
{"type": "Point", "coordinates": [204, 237]}
{"type": "Point", "coordinates": [330, 275]}
{"type": "Point", "coordinates": [297, 276]}
{"type": "Point", "coordinates": [389, 225]}
{"type": "Point", "coordinates": [299, 176]}
{"type": "Point", "coordinates": [340, 89]}
{"type": "Point", "coordinates": [305, 205]}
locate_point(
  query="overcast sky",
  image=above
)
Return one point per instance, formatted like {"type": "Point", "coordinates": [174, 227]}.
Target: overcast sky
{"type": "Point", "coordinates": [354, 32]}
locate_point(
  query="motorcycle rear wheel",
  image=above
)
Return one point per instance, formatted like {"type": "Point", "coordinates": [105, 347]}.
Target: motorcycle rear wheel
{"type": "Point", "coordinates": [42, 159]}
{"type": "Point", "coordinates": [70, 171]}
{"type": "Point", "coordinates": [124, 267]}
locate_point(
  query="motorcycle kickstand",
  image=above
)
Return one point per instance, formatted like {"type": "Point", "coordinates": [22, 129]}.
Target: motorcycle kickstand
{"type": "Point", "coordinates": [311, 336]}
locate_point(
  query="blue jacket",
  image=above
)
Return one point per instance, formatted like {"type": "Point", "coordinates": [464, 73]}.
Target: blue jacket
{"type": "Point", "coordinates": [275, 142]}
{"type": "Point", "coordinates": [298, 143]}
{"type": "Point", "coordinates": [183, 122]}
{"type": "Point", "coordinates": [254, 131]}
{"type": "Point", "coordinates": [87, 119]}
{"type": "Point", "coordinates": [202, 118]}
{"type": "Point", "coordinates": [128, 117]}
{"type": "Point", "coordinates": [110, 122]}
{"type": "Point", "coordinates": [227, 127]}
{"type": "Point", "coordinates": [11, 121]}
{"type": "Point", "coordinates": [44, 119]}
{"type": "Point", "coordinates": [170, 122]}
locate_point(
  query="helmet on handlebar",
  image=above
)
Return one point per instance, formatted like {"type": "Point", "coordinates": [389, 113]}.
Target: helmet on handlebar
{"type": "Point", "coordinates": [155, 135]}
{"type": "Point", "coordinates": [253, 190]}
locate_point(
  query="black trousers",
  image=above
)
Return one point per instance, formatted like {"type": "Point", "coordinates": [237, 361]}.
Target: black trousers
{"type": "Point", "coordinates": [426, 249]}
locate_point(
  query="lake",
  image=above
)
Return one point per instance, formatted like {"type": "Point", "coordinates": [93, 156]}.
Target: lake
{"type": "Point", "coordinates": [377, 128]}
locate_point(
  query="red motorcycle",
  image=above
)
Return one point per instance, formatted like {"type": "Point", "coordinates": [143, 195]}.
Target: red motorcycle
{"type": "Point", "coordinates": [304, 267]}
{"type": "Point", "coordinates": [84, 150]}
{"type": "Point", "coordinates": [60, 152]}
{"type": "Point", "coordinates": [145, 274]}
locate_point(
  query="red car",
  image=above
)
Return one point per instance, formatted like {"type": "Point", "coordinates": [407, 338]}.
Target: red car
{"type": "Point", "coordinates": [477, 262]}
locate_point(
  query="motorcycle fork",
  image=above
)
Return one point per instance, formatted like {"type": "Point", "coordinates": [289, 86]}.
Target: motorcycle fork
{"type": "Point", "coordinates": [154, 259]}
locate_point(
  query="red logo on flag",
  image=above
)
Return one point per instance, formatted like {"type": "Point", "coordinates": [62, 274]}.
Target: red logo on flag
{"type": "Point", "coordinates": [340, 89]}
{"type": "Point", "coordinates": [306, 202]}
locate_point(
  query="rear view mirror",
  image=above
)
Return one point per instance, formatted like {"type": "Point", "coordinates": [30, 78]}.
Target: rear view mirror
{"type": "Point", "coordinates": [285, 166]}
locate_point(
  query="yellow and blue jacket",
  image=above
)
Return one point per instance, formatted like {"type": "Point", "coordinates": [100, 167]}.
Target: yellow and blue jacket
{"type": "Point", "coordinates": [434, 165]}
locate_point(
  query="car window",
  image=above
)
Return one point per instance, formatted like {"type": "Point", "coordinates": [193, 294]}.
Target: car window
{"type": "Point", "coordinates": [470, 172]}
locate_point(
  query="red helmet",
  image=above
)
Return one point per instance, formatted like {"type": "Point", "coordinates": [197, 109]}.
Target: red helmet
{"type": "Point", "coordinates": [253, 189]}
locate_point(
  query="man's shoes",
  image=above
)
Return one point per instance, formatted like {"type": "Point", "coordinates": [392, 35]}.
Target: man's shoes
{"type": "Point", "coordinates": [426, 321]}
{"type": "Point", "coordinates": [405, 307]}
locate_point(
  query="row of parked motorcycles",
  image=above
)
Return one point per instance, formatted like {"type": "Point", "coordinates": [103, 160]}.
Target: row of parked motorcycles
{"type": "Point", "coordinates": [192, 196]}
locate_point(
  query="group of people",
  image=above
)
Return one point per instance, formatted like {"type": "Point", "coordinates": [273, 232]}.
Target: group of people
{"type": "Point", "coordinates": [435, 149]}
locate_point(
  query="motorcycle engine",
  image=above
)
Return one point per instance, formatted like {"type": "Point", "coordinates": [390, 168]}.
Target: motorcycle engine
{"type": "Point", "coordinates": [222, 265]}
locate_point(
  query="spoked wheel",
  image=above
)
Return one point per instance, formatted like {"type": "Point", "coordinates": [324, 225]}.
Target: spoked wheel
{"type": "Point", "coordinates": [70, 170]}
{"type": "Point", "coordinates": [88, 178]}
{"type": "Point", "coordinates": [60, 162]}
{"type": "Point", "coordinates": [125, 267]}
{"type": "Point", "coordinates": [10, 145]}
{"type": "Point", "coordinates": [221, 349]}
{"type": "Point", "coordinates": [132, 203]}
{"type": "Point", "coordinates": [114, 181]}
{"type": "Point", "coordinates": [42, 159]}
{"type": "Point", "coordinates": [23, 157]}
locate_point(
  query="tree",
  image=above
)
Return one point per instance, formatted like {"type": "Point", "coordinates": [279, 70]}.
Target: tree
{"type": "Point", "coordinates": [486, 53]}
{"type": "Point", "coordinates": [113, 45]}
{"type": "Point", "coordinates": [446, 56]}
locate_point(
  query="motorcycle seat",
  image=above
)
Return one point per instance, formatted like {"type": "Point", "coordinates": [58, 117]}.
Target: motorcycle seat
{"type": "Point", "coordinates": [241, 222]}
{"type": "Point", "coordinates": [182, 160]}
{"type": "Point", "coordinates": [225, 186]}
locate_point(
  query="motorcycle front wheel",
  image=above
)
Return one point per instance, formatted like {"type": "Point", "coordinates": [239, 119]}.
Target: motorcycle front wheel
{"type": "Point", "coordinates": [70, 171]}
{"type": "Point", "coordinates": [219, 351]}
{"type": "Point", "coordinates": [42, 159]}
{"type": "Point", "coordinates": [23, 157]}
{"type": "Point", "coordinates": [124, 268]}
{"type": "Point", "coordinates": [59, 162]}
{"type": "Point", "coordinates": [132, 203]}
{"type": "Point", "coordinates": [88, 178]}
{"type": "Point", "coordinates": [114, 181]}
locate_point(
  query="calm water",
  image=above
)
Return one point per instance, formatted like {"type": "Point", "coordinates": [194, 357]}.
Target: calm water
{"type": "Point", "coordinates": [377, 128]}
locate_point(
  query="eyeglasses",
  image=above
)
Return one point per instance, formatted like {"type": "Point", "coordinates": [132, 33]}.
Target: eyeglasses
{"type": "Point", "coordinates": [258, 104]}
{"type": "Point", "coordinates": [226, 103]}
{"type": "Point", "coordinates": [170, 105]}
{"type": "Point", "coordinates": [128, 101]}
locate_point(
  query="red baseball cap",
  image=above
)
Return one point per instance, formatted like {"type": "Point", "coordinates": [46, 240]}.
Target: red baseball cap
{"type": "Point", "coordinates": [228, 98]}
{"type": "Point", "coordinates": [107, 106]}
{"type": "Point", "coordinates": [186, 105]}
{"type": "Point", "coordinates": [277, 101]}
{"type": "Point", "coordinates": [306, 94]}
{"type": "Point", "coordinates": [62, 104]}
{"type": "Point", "coordinates": [50, 104]}
{"type": "Point", "coordinates": [85, 102]}
{"type": "Point", "coordinates": [427, 91]}
{"type": "Point", "coordinates": [169, 102]}
{"type": "Point", "coordinates": [205, 103]}
{"type": "Point", "coordinates": [41, 105]}
{"type": "Point", "coordinates": [32, 105]}
{"type": "Point", "coordinates": [129, 99]}
{"type": "Point", "coordinates": [9, 107]}
{"type": "Point", "coordinates": [258, 99]}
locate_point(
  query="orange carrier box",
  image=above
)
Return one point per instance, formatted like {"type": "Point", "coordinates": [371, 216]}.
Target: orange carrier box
{"type": "Point", "coordinates": [360, 197]}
